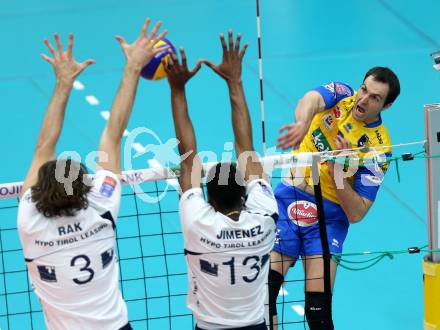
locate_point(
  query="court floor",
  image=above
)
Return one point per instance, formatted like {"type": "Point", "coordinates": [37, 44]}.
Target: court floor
{"type": "Point", "coordinates": [305, 43]}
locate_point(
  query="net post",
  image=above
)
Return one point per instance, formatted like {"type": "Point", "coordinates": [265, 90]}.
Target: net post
{"type": "Point", "coordinates": [432, 132]}
{"type": "Point", "coordinates": [431, 262]}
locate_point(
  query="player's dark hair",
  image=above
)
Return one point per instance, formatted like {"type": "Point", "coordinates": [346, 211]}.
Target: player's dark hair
{"type": "Point", "coordinates": [50, 195]}
{"type": "Point", "coordinates": [385, 75]}
{"type": "Point", "coordinates": [226, 187]}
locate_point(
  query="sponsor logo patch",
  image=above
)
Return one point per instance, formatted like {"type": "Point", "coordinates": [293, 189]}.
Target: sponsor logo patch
{"type": "Point", "coordinates": [47, 273]}
{"type": "Point", "coordinates": [107, 257]}
{"type": "Point", "coordinates": [348, 127]}
{"type": "Point", "coordinates": [108, 187]}
{"type": "Point", "coordinates": [337, 112]}
{"type": "Point", "coordinates": [363, 143]}
{"type": "Point", "coordinates": [303, 213]}
{"type": "Point", "coordinates": [320, 141]}
{"type": "Point", "coordinates": [208, 267]}
{"type": "Point", "coordinates": [328, 121]}
{"type": "Point", "coordinates": [331, 88]}
{"type": "Point", "coordinates": [379, 137]}
{"type": "Point", "coordinates": [371, 180]}
{"type": "Point", "coordinates": [343, 90]}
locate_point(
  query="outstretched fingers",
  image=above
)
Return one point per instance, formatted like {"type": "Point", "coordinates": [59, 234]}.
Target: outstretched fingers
{"type": "Point", "coordinates": [243, 51]}
{"type": "Point", "coordinates": [88, 62]}
{"type": "Point", "coordinates": [70, 46]}
{"type": "Point", "coordinates": [173, 62]}
{"type": "Point", "coordinates": [154, 31]}
{"type": "Point", "coordinates": [121, 41]}
{"type": "Point", "coordinates": [288, 139]}
{"type": "Point", "coordinates": [160, 36]}
{"type": "Point", "coordinates": [237, 42]}
{"type": "Point", "coordinates": [285, 127]}
{"type": "Point", "coordinates": [183, 57]}
{"type": "Point", "coordinates": [50, 47]}
{"type": "Point", "coordinates": [342, 143]}
{"type": "Point", "coordinates": [196, 68]}
{"type": "Point", "coordinates": [223, 42]}
{"type": "Point", "coordinates": [163, 48]}
{"type": "Point", "coordinates": [58, 42]}
{"type": "Point", "coordinates": [230, 40]}
{"type": "Point", "coordinates": [208, 63]}
{"type": "Point", "coordinates": [47, 58]}
{"type": "Point", "coordinates": [144, 28]}
{"type": "Point", "coordinates": [82, 66]}
{"type": "Point", "coordinates": [166, 65]}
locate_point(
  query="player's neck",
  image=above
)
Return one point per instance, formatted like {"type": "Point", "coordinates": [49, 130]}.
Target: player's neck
{"type": "Point", "coordinates": [233, 214]}
{"type": "Point", "coordinates": [371, 120]}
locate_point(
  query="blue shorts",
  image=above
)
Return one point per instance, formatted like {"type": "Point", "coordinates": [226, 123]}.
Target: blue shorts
{"type": "Point", "coordinates": [297, 225]}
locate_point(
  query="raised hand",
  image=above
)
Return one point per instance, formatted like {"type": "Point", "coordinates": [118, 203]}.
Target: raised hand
{"type": "Point", "coordinates": [343, 148]}
{"type": "Point", "coordinates": [178, 73]}
{"type": "Point", "coordinates": [230, 67]}
{"type": "Point", "coordinates": [141, 51]}
{"type": "Point", "coordinates": [294, 135]}
{"type": "Point", "coordinates": [65, 67]}
{"type": "Point", "coordinates": [342, 144]}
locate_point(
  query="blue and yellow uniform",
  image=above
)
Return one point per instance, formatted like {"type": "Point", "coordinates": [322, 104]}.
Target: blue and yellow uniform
{"type": "Point", "coordinates": [297, 228]}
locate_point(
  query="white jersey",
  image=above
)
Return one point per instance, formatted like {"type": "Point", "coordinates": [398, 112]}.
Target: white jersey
{"type": "Point", "coordinates": [228, 261]}
{"type": "Point", "coordinates": [72, 260]}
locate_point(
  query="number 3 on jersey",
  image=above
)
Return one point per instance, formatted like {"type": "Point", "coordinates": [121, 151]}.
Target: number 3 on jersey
{"type": "Point", "coordinates": [85, 268]}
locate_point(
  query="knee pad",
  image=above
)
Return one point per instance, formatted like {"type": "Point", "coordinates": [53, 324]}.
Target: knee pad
{"type": "Point", "coordinates": [275, 282]}
{"type": "Point", "coordinates": [318, 310]}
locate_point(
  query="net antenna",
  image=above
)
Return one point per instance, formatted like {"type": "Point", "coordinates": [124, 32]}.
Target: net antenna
{"type": "Point", "coordinates": [260, 75]}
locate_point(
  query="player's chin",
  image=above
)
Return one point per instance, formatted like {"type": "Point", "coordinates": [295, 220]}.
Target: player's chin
{"type": "Point", "coordinates": [359, 116]}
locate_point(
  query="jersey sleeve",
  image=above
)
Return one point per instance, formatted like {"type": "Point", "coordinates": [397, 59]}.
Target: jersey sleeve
{"type": "Point", "coordinates": [260, 198]}
{"type": "Point", "coordinates": [334, 92]}
{"type": "Point", "coordinates": [369, 177]}
{"type": "Point", "coordinates": [193, 207]}
{"type": "Point", "coordinates": [105, 195]}
{"type": "Point", "coordinates": [26, 212]}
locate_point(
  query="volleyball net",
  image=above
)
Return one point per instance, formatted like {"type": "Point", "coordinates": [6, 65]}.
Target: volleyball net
{"type": "Point", "coordinates": [153, 275]}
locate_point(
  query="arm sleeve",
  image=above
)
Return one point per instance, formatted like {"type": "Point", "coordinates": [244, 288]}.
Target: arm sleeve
{"type": "Point", "coordinates": [368, 178]}
{"type": "Point", "coordinates": [334, 92]}
{"type": "Point", "coordinates": [260, 198]}
{"type": "Point", "coordinates": [105, 195]}
{"type": "Point", "coordinates": [26, 213]}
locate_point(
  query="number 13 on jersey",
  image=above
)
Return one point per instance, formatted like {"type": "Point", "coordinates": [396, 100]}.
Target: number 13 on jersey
{"type": "Point", "coordinates": [252, 263]}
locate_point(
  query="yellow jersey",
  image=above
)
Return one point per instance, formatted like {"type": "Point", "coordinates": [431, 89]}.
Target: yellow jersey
{"type": "Point", "coordinates": [372, 140]}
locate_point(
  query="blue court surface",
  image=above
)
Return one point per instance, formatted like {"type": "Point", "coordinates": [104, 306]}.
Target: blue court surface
{"type": "Point", "coordinates": [305, 43]}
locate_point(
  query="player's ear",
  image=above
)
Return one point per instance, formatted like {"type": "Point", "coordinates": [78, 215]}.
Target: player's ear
{"type": "Point", "coordinates": [212, 202]}
{"type": "Point", "coordinates": [386, 106]}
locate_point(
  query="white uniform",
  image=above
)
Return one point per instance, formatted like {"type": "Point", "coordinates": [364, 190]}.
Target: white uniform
{"type": "Point", "coordinates": [72, 260]}
{"type": "Point", "coordinates": [228, 261]}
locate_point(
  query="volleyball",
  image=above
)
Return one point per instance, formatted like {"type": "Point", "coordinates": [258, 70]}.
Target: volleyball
{"type": "Point", "coordinates": [155, 70]}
